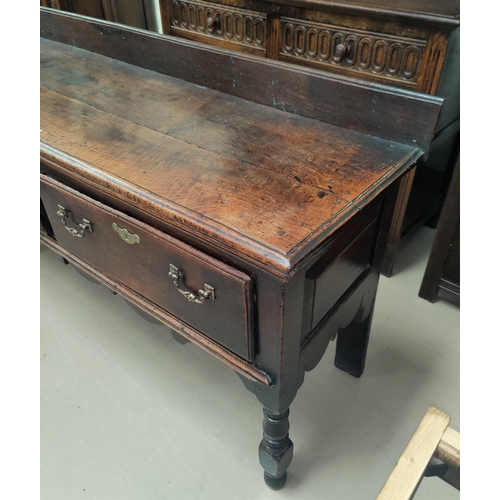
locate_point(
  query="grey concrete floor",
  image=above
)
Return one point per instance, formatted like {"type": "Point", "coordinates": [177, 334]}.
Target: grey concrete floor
{"type": "Point", "coordinates": [127, 413]}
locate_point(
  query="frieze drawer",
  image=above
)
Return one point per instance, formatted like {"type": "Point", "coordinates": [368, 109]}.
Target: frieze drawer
{"type": "Point", "coordinates": [228, 27]}
{"type": "Point", "coordinates": [208, 295]}
{"type": "Point", "coordinates": [361, 54]}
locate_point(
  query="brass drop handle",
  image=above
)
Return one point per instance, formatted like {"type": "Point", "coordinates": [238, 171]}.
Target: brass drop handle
{"type": "Point", "coordinates": [212, 22]}
{"type": "Point", "coordinates": [125, 235]}
{"type": "Point", "coordinates": [207, 293]}
{"type": "Point", "coordinates": [341, 50]}
{"type": "Point", "coordinates": [85, 225]}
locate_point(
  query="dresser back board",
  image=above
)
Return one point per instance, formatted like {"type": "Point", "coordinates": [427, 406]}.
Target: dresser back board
{"type": "Point", "coordinates": [378, 110]}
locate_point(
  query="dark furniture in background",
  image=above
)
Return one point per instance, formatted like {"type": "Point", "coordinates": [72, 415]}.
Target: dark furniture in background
{"type": "Point", "coordinates": [411, 44]}
{"type": "Point", "coordinates": [442, 274]}
{"type": "Point", "coordinates": [244, 203]}
{"type": "Point", "coordinates": [137, 13]}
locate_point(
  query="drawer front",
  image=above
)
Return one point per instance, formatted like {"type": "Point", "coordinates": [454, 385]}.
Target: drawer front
{"type": "Point", "coordinates": [221, 25]}
{"type": "Point", "coordinates": [201, 291]}
{"type": "Point", "coordinates": [361, 54]}
{"type": "Point", "coordinates": [347, 262]}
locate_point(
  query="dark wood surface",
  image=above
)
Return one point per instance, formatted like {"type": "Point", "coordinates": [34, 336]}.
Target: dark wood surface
{"type": "Point", "coordinates": [332, 39]}
{"type": "Point", "coordinates": [138, 13]}
{"type": "Point", "coordinates": [413, 44]}
{"type": "Point", "coordinates": [91, 105]}
{"type": "Point", "coordinates": [384, 112]}
{"type": "Point", "coordinates": [145, 265]}
{"type": "Point", "coordinates": [443, 267]}
{"type": "Point", "coordinates": [247, 371]}
{"type": "Point", "coordinates": [291, 211]}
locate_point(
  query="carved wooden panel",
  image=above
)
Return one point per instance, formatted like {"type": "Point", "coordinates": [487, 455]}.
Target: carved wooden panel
{"type": "Point", "coordinates": [374, 55]}
{"type": "Point", "coordinates": [227, 24]}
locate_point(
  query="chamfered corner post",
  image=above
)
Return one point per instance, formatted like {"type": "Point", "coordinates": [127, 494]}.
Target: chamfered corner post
{"type": "Point", "coordinates": [276, 448]}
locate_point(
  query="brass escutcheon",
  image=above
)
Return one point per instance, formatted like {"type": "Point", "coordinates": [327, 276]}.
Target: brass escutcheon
{"type": "Point", "coordinates": [126, 236]}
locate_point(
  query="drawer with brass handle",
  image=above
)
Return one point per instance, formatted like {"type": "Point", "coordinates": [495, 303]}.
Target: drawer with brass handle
{"type": "Point", "coordinates": [226, 26]}
{"type": "Point", "coordinates": [205, 293]}
{"type": "Point", "coordinates": [394, 60]}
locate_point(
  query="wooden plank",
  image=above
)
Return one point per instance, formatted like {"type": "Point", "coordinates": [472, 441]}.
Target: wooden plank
{"type": "Point", "coordinates": [374, 109]}
{"type": "Point", "coordinates": [406, 476]}
{"type": "Point", "coordinates": [448, 451]}
{"type": "Point", "coordinates": [246, 161]}
{"type": "Point", "coordinates": [219, 195]}
{"type": "Point", "coordinates": [314, 153]}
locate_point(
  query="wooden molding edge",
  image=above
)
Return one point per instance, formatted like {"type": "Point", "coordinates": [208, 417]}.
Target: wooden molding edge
{"type": "Point", "coordinates": [240, 366]}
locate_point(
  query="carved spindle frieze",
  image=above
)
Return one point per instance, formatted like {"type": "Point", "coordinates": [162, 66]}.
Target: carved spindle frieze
{"type": "Point", "coordinates": [235, 25]}
{"type": "Point", "coordinates": [379, 54]}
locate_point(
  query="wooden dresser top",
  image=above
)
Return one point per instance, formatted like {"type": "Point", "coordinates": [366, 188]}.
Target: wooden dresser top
{"type": "Point", "coordinates": [272, 184]}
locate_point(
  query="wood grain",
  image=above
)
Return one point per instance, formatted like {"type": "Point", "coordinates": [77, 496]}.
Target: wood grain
{"type": "Point", "coordinates": [394, 236]}
{"type": "Point", "coordinates": [240, 366]}
{"type": "Point", "coordinates": [382, 111]}
{"type": "Point", "coordinates": [448, 449]}
{"type": "Point", "coordinates": [323, 157]}
{"type": "Point", "coordinates": [145, 266]}
{"type": "Point", "coordinates": [107, 118]}
{"type": "Point", "coordinates": [408, 473]}
{"type": "Point", "coordinates": [433, 63]}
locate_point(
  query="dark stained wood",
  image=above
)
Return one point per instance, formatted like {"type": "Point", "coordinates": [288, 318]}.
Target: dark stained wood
{"type": "Point", "coordinates": [388, 113]}
{"type": "Point", "coordinates": [433, 63]}
{"type": "Point", "coordinates": [246, 370]}
{"type": "Point", "coordinates": [403, 51]}
{"type": "Point", "coordinates": [397, 224]}
{"type": "Point", "coordinates": [347, 267]}
{"type": "Point", "coordinates": [276, 448]}
{"type": "Point", "coordinates": [273, 37]}
{"type": "Point", "coordinates": [136, 13]}
{"type": "Point", "coordinates": [217, 123]}
{"type": "Point", "coordinates": [244, 30]}
{"type": "Point", "coordinates": [265, 203]}
{"type": "Point", "coordinates": [145, 265]}
{"type": "Point", "coordinates": [91, 8]}
{"type": "Point", "coordinates": [412, 44]}
{"type": "Point", "coordinates": [45, 226]}
{"type": "Point", "coordinates": [352, 339]}
{"type": "Point", "coordinates": [103, 121]}
{"type": "Point", "coordinates": [443, 266]}
{"type": "Point", "coordinates": [142, 313]}
{"type": "Point", "coordinates": [130, 12]}
{"type": "Point", "coordinates": [350, 311]}
{"type": "Point", "coordinates": [353, 252]}
{"type": "Point", "coordinates": [166, 16]}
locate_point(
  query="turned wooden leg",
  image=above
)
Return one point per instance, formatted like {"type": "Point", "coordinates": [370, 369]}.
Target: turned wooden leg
{"type": "Point", "coordinates": [276, 448]}
{"type": "Point", "coordinates": [352, 344]}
